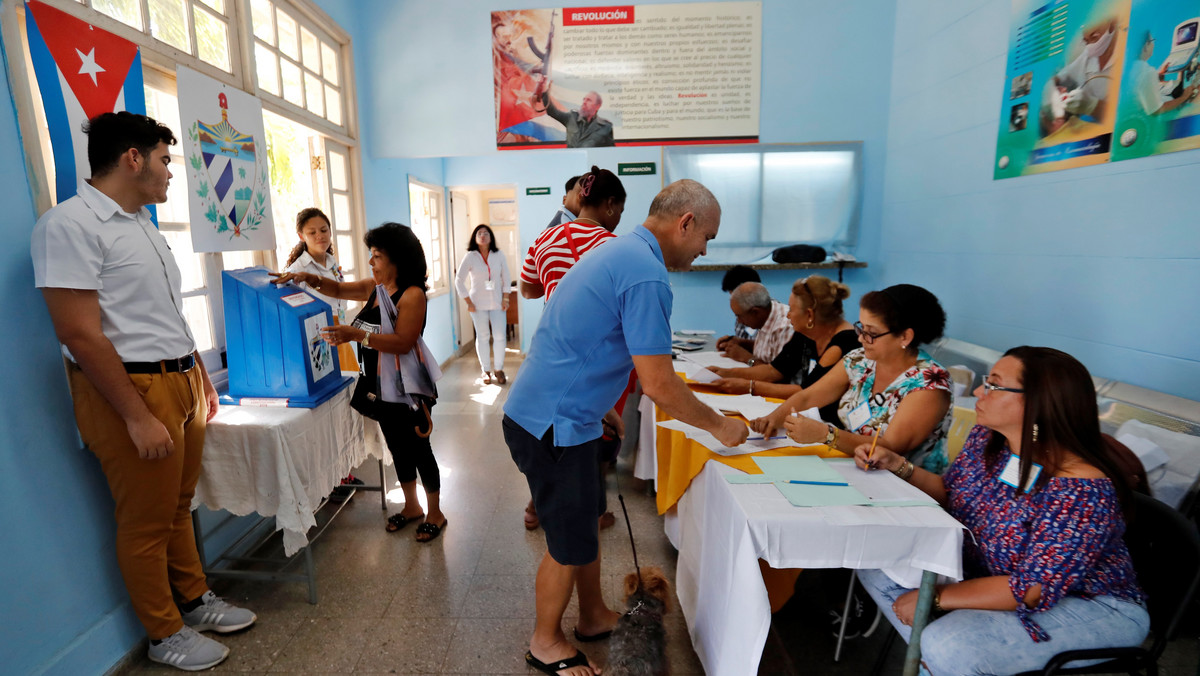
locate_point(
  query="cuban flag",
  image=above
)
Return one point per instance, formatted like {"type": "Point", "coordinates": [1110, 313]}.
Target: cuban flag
{"type": "Point", "coordinates": [82, 71]}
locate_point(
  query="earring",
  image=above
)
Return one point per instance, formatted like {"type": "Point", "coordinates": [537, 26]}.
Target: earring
{"type": "Point", "coordinates": [610, 212]}
{"type": "Point", "coordinates": [1035, 431]}
{"type": "Point", "coordinates": [904, 346]}
{"type": "Point", "coordinates": [810, 324]}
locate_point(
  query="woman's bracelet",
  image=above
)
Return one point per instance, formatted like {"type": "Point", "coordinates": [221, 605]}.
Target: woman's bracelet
{"type": "Point", "coordinates": [937, 603]}
{"type": "Point", "coordinates": [751, 387]}
{"type": "Point", "coordinates": [906, 470]}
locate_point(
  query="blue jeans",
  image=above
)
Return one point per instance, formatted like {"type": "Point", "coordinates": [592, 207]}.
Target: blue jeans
{"type": "Point", "coordinates": [994, 642]}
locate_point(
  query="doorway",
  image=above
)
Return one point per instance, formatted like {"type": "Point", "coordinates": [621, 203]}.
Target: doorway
{"type": "Point", "coordinates": [496, 206]}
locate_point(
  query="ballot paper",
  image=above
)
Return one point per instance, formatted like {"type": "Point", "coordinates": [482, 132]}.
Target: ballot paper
{"type": "Point", "coordinates": [710, 358]}
{"type": "Point", "coordinates": [749, 406]}
{"type": "Point", "coordinates": [707, 440]}
{"type": "Point", "coordinates": [800, 479]}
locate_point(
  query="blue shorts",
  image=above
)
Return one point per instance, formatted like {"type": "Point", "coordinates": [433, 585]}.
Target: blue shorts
{"type": "Point", "coordinates": [565, 490]}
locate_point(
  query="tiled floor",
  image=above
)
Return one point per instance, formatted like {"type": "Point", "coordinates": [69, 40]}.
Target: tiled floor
{"type": "Point", "coordinates": [464, 603]}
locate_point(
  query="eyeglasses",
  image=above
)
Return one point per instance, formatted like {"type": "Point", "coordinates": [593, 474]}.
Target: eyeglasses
{"type": "Point", "coordinates": [865, 335]}
{"type": "Point", "coordinates": [988, 388]}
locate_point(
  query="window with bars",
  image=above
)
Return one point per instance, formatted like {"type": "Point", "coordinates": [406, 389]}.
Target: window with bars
{"type": "Point", "coordinates": [296, 61]}
{"type": "Point", "coordinates": [426, 209]}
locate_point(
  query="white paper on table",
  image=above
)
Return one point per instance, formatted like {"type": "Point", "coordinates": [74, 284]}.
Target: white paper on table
{"type": "Point", "coordinates": [703, 375]}
{"type": "Point", "coordinates": [707, 440]}
{"type": "Point", "coordinates": [707, 358]}
{"type": "Point", "coordinates": [719, 402]}
{"type": "Point", "coordinates": [881, 486]}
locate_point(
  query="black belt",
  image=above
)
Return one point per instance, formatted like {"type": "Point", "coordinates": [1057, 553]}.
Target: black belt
{"type": "Point", "coordinates": [181, 365]}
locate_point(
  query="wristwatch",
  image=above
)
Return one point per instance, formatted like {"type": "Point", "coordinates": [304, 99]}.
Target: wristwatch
{"type": "Point", "coordinates": [831, 436]}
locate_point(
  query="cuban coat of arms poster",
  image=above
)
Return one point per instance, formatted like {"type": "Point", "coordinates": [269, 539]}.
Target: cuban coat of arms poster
{"type": "Point", "coordinates": [225, 157]}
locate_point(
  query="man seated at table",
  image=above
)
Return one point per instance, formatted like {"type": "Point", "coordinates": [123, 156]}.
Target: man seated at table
{"type": "Point", "coordinates": [610, 314]}
{"type": "Point", "coordinates": [735, 277]}
{"type": "Point", "coordinates": [753, 306]}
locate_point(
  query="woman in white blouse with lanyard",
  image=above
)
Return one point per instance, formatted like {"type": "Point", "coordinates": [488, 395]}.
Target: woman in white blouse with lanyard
{"type": "Point", "coordinates": [483, 280]}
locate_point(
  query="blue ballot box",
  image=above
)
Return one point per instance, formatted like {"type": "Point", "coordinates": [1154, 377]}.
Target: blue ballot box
{"type": "Point", "coordinates": [273, 340]}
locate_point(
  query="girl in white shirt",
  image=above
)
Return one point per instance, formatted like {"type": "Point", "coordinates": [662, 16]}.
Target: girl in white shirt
{"type": "Point", "coordinates": [314, 254]}
{"type": "Point", "coordinates": [486, 294]}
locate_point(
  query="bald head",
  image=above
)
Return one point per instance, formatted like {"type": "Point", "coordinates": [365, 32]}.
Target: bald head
{"type": "Point", "coordinates": [751, 304]}
{"type": "Point", "coordinates": [684, 217]}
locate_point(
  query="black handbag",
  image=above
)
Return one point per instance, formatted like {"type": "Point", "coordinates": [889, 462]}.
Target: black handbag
{"type": "Point", "coordinates": [366, 399]}
{"type": "Point", "coordinates": [798, 253]}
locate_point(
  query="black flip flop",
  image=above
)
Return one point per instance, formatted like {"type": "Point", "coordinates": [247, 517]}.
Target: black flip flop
{"type": "Point", "coordinates": [432, 530]}
{"type": "Point", "coordinates": [591, 638]}
{"type": "Point", "coordinates": [579, 660]}
{"type": "Point", "coordinates": [397, 521]}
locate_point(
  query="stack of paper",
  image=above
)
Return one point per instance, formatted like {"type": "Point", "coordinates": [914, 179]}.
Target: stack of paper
{"type": "Point", "coordinates": [810, 481]}
{"type": "Point", "coordinates": [707, 440]}
{"type": "Point", "coordinates": [713, 359]}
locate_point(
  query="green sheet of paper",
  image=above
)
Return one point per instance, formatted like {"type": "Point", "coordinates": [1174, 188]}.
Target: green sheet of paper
{"type": "Point", "coordinates": [807, 495]}
{"type": "Point", "coordinates": [798, 468]}
{"type": "Point", "coordinates": [749, 478]}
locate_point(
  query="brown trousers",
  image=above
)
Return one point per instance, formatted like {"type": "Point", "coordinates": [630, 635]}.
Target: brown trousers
{"type": "Point", "coordinates": [156, 548]}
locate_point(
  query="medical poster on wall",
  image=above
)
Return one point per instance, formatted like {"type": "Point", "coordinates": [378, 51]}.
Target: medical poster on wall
{"type": "Point", "coordinates": [1159, 111]}
{"type": "Point", "coordinates": [1062, 85]}
{"type": "Point", "coordinates": [591, 77]}
{"type": "Point", "coordinates": [225, 156]}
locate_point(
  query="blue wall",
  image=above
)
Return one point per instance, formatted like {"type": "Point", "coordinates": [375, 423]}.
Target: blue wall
{"type": "Point", "coordinates": [1101, 262]}
{"type": "Point", "coordinates": [818, 84]}
{"type": "Point", "coordinates": [63, 598]}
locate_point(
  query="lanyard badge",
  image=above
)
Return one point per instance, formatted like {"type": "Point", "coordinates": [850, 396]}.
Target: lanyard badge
{"type": "Point", "coordinates": [1012, 473]}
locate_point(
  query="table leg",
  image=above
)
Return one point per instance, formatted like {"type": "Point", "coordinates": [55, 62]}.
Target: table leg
{"type": "Point", "coordinates": [310, 570]}
{"type": "Point", "coordinates": [382, 488]}
{"type": "Point", "coordinates": [912, 658]}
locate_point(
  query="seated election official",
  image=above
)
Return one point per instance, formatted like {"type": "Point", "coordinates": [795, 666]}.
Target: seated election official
{"type": "Point", "coordinates": [890, 387]}
{"type": "Point", "coordinates": [823, 337]}
{"type": "Point", "coordinates": [142, 397]}
{"type": "Point", "coordinates": [733, 278]}
{"type": "Point", "coordinates": [754, 308]}
{"type": "Point", "coordinates": [1046, 566]}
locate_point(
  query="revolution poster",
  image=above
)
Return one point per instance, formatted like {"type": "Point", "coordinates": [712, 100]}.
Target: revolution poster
{"type": "Point", "coordinates": [627, 75]}
{"type": "Point", "coordinates": [1062, 85]}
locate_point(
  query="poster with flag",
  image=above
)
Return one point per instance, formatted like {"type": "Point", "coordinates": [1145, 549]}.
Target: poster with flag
{"type": "Point", "coordinates": [627, 75]}
{"type": "Point", "coordinates": [225, 153]}
{"type": "Point", "coordinates": [82, 71]}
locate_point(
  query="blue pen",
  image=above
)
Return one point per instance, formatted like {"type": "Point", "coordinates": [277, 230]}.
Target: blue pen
{"type": "Point", "coordinates": [781, 436]}
{"type": "Point", "coordinates": [818, 483]}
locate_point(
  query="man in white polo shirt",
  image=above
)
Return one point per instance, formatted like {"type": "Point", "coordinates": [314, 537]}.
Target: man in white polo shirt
{"type": "Point", "coordinates": [141, 394]}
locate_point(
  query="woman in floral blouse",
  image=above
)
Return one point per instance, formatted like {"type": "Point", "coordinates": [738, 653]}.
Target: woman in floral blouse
{"type": "Point", "coordinates": [890, 387]}
{"type": "Point", "coordinates": [1046, 565]}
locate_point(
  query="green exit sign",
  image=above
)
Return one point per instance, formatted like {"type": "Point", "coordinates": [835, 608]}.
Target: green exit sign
{"type": "Point", "coordinates": [538, 191]}
{"type": "Point", "coordinates": [635, 168]}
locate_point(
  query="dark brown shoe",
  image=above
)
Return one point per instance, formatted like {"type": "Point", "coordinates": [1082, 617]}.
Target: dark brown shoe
{"type": "Point", "coordinates": [500, 377]}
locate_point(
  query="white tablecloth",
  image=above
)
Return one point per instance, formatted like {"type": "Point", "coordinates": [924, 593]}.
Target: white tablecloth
{"type": "Point", "coordinates": [282, 462]}
{"type": "Point", "coordinates": [645, 463]}
{"type": "Point", "coordinates": [721, 531]}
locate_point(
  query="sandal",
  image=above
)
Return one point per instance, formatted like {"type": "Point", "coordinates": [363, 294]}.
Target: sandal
{"type": "Point", "coordinates": [397, 521]}
{"type": "Point", "coordinates": [430, 529]}
{"type": "Point", "coordinates": [578, 660]}
{"type": "Point", "coordinates": [500, 377]}
{"type": "Point", "coordinates": [487, 378]}
{"type": "Point", "coordinates": [531, 518]}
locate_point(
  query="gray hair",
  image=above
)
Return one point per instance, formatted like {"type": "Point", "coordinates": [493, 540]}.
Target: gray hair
{"type": "Point", "coordinates": [683, 196]}
{"type": "Point", "coordinates": [751, 295]}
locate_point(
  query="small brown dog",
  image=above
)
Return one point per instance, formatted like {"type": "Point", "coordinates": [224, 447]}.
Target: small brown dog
{"type": "Point", "coordinates": [639, 642]}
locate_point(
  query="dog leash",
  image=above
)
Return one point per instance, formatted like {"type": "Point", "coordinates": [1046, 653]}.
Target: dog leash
{"type": "Point", "coordinates": [628, 527]}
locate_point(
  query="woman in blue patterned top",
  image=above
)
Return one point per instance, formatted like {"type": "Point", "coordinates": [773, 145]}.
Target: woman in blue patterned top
{"type": "Point", "coordinates": [890, 387]}
{"type": "Point", "coordinates": [1046, 565]}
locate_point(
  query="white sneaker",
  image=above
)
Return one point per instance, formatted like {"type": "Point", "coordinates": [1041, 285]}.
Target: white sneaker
{"type": "Point", "coordinates": [215, 614]}
{"type": "Point", "coordinates": [188, 650]}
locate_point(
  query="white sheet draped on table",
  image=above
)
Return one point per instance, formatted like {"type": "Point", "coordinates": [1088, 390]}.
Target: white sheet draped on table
{"type": "Point", "coordinates": [282, 462]}
{"type": "Point", "coordinates": [721, 531]}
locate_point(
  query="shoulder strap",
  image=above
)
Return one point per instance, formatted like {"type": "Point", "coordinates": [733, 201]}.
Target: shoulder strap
{"type": "Point", "coordinates": [571, 241]}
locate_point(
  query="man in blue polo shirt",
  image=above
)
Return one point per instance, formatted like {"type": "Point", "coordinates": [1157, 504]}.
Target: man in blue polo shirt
{"type": "Point", "coordinates": [611, 313]}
